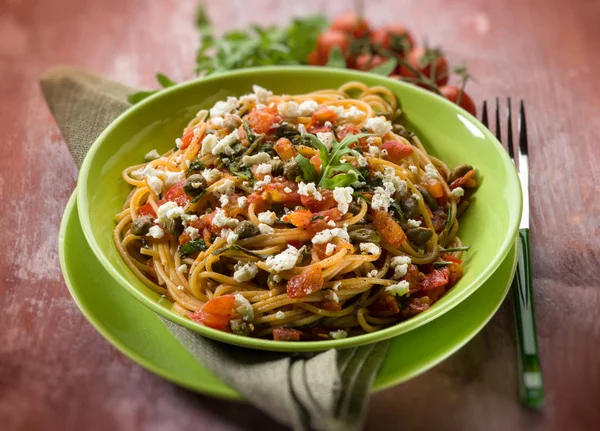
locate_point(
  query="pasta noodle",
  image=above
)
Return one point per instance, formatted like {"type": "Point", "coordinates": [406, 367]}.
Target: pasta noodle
{"type": "Point", "coordinates": [303, 217]}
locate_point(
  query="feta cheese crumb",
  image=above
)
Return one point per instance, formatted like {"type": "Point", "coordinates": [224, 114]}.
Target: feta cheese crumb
{"type": "Point", "coordinates": [256, 159]}
{"type": "Point", "coordinates": [338, 335]}
{"type": "Point", "coordinates": [226, 188]}
{"type": "Point", "coordinates": [276, 278]}
{"type": "Point", "coordinates": [362, 161]}
{"type": "Point", "coordinates": [218, 122]}
{"type": "Point", "coordinates": [288, 109]}
{"type": "Point", "coordinates": [265, 229]}
{"type": "Point", "coordinates": [370, 248]}
{"type": "Point", "coordinates": [211, 175]}
{"type": "Point", "coordinates": [416, 196]}
{"type": "Point", "coordinates": [172, 178]}
{"type": "Point", "coordinates": [193, 232]}
{"type": "Point", "coordinates": [223, 107]}
{"type": "Point", "coordinates": [152, 155]}
{"type": "Point", "coordinates": [413, 169]}
{"type": "Point", "coordinates": [156, 232]}
{"type": "Point", "coordinates": [431, 171]}
{"type": "Point", "coordinates": [287, 190]}
{"type": "Point", "coordinates": [279, 315]}
{"type": "Point", "coordinates": [400, 266]}
{"type": "Point", "coordinates": [309, 190]}
{"type": "Point", "coordinates": [208, 143]}
{"type": "Point", "coordinates": [343, 197]}
{"type": "Point", "coordinates": [266, 180]}
{"type": "Point", "coordinates": [178, 143]}
{"type": "Point", "coordinates": [220, 219]}
{"type": "Point", "coordinates": [458, 192]}
{"type": "Point", "coordinates": [242, 201]}
{"type": "Point", "coordinates": [332, 296]}
{"type": "Point", "coordinates": [336, 285]}
{"type": "Point", "coordinates": [244, 271]}
{"type": "Point", "coordinates": [262, 94]}
{"type": "Point", "coordinates": [329, 249]}
{"type": "Point", "coordinates": [302, 129]}
{"type": "Point", "coordinates": [353, 114]}
{"type": "Point", "coordinates": [374, 151]}
{"type": "Point", "coordinates": [267, 217]}
{"type": "Point", "coordinates": [180, 287]}
{"type": "Point", "coordinates": [328, 235]}
{"type": "Point", "coordinates": [327, 139]}
{"type": "Point", "coordinates": [189, 218]}
{"type": "Point", "coordinates": [182, 269]}
{"type": "Point", "coordinates": [308, 108]}
{"type": "Point", "coordinates": [223, 200]}
{"type": "Point", "coordinates": [331, 223]}
{"type": "Point", "coordinates": [264, 168]}
{"type": "Point", "coordinates": [224, 145]}
{"type": "Point", "coordinates": [400, 289]}
{"type": "Point", "coordinates": [373, 273]}
{"type": "Point", "coordinates": [379, 125]}
{"type": "Point", "coordinates": [283, 261]}
{"type": "Point", "coordinates": [243, 306]}
{"type": "Point", "coordinates": [413, 223]}
{"type": "Point", "coordinates": [155, 184]}
{"type": "Point", "coordinates": [168, 210]}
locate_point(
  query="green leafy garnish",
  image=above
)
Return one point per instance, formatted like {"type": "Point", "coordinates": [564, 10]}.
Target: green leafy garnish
{"type": "Point", "coordinates": [309, 172]}
{"type": "Point", "coordinates": [251, 136]}
{"type": "Point", "coordinates": [461, 248]}
{"type": "Point", "coordinates": [336, 58]}
{"type": "Point", "coordinates": [195, 166]}
{"type": "Point", "coordinates": [386, 68]}
{"type": "Point", "coordinates": [192, 247]}
{"type": "Point", "coordinates": [441, 263]}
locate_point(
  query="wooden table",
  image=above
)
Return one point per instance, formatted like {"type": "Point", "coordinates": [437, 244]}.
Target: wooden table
{"type": "Point", "coordinates": [56, 372]}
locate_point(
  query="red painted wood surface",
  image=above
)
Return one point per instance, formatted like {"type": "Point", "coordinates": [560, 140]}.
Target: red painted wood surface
{"type": "Point", "coordinates": [56, 372]}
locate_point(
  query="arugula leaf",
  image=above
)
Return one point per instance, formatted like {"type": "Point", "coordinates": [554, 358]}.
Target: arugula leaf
{"type": "Point", "coordinates": [333, 164]}
{"type": "Point", "coordinates": [195, 166]}
{"type": "Point", "coordinates": [309, 172]}
{"type": "Point", "coordinates": [336, 58]}
{"type": "Point", "coordinates": [192, 247]}
{"type": "Point", "coordinates": [386, 68]}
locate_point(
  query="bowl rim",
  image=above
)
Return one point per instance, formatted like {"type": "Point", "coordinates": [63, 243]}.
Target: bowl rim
{"type": "Point", "coordinates": [514, 215]}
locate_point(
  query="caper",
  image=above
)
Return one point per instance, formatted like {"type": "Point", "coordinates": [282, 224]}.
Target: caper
{"type": "Point", "coordinates": [364, 235]}
{"type": "Point", "coordinates": [459, 171]}
{"type": "Point", "coordinates": [429, 200]}
{"type": "Point", "coordinates": [410, 207]}
{"type": "Point", "coordinates": [291, 170]}
{"type": "Point", "coordinates": [246, 229]}
{"type": "Point", "coordinates": [419, 235]}
{"type": "Point", "coordinates": [194, 185]}
{"type": "Point", "coordinates": [239, 327]}
{"type": "Point", "coordinates": [354, 208]}
{"type": "Point", "coordinates": [141, 225]}
{"type": "Point", "coordinates": [173, 226]}
{"type": "Point", "coordinates": [276, 167]}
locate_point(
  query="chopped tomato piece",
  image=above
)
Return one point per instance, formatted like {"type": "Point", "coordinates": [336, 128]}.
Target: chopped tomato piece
{"type": "Point", "coordinates": [286, 334]}
{"type": "Point", "coordinates": [321, 116]}
{"type": "Point", "coordinates": [468, 180]}
{"type": "Point", "coordinates": [296, 243]}
{"type": "Point", "coordinates": [388, 228]}
{"type": "Point", "coordinates": [384, 306]}
{"type": "Point", "coordinates": [261, 120]}
{"type": "Point", "coordinates": [216, 313]}
{"type": "Point", "coordinates": [455, 272]}
{"type": "Point", "coordinates": [448, 257]}
{"type": "Point", "coordinates": [417, 305]}
{"type": "Point", "coordinates": [434, 187]}
{"type": "Point", "coordinates": [413, 278]}
{"type": "Point", "coordinates": [330, 305]}
{"type": "Point", "coordinates": [327, 201]}
{"type": "Point", "coordinates": [276, 193]}
{"type": "Point", "coordinates": [186, 140]}
{"type": "Point", "coordinates": [437, 277]}
{"type": "Point", "coordinates": [316, 162]}
{"type": "Point", "coordinates": [146, 210]}
{"type": "Point", "coordinates": [321, 249]}
{"type": "Point", "coordinates": [299, 218]}
{"type": "Point", "coordinates": [352, 129]}
{"type": "Point", "coordinates": [285, 149]}
{"type": "Point", "coordinates": [305, 283]}
{"type": "Point", "coordinates": [396, 151]}
{"type": "Point", "coordinates": [177, 195]}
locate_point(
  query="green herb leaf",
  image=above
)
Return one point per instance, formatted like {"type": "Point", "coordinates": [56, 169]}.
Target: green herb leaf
{"type": "Point", "coordinates": [195, 166]}
{"type": "Point", "coordinates": [164, 80]}
{"type": "Point", "coordinates": [192, 247]}
{"type": "Point", "coordinates": [386, 68]}
{"type": "Point", "coordinates": [336, 58]}
{"type": "Point", "coordinates": [309, 173]}
{"type": "Point", "coordinates": [251, 136]}
{"type": "Point", "coordinates": [441, 263]}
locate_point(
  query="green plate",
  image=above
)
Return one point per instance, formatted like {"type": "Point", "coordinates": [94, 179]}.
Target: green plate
{"type": "Point", "coordinates": [448, 132]}
{"type": "Point", "coordinates": [137, 332]}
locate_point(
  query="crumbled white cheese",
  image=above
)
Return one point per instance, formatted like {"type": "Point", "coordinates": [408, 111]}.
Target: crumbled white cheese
{"type": "Point", "coordinates": [243, 306]}
{"type": "Point", "coordinates": [256, 159]}
{"type": "Point", "coordinates": [172, 178]}
{"type": "Point", "coordinates": [287, 190]}
{"type": "Point", "coordinates": [285, 260]}
{"type": "Point", "coordinates": [168, 211]}
{"type": "Point", "coordinates": [224, 145]}
{"type": "Point", "coordinates": [308, 108]}
{"type": "Point", "coordinates": [223, 200]}
{"type": "Point", "coordinates": [416, 196]}
{"type": "Point", "coordinates": [336, 285]}
{"type": "Point", "coordinates": [182, 269]}
{"type": "Point", "coordinates": [353, 114]}
{"type": "Point", "coordinates": [155, 184]}
{"type": "Point", "coordinates": [400, 266]}
{"type": "Point", "coordinates": [288, 109]}
{"type": "Point", "coordinates": [328, 235]}
{"type": "Point", "coordinates": [265, 229]}
{"type": "Point", "coordinates": [374, 151]}
{"type": "Point", "coordinates": [302, 129]}
{"type": "Point", "coordinates": [223, 107]}
{"type": "Point", "coordinates": [262, 94]}
{"type": "Point", "coordinates": [379, 125]}
{"type": "Point", "coordinates": [211, 175]}
{"type": "Point", "coordinates": [362, 161]}
{"type": "Point", "coordinates": [276, 278]}
{"type": "Point", "coordinates": [331, 223]}
{"type": "Point", "coordinates": [373, 273]}
{"type": "Point", "coordinates": [338, 335]}
{"type": "Point", "coordinates": [193, 232]}
{"type": "Point", "coordinates": [242, 201]}
{"type": "Point", "coordinates": [400, 289]}
{"type": "Point", "coordinates": [244, 271]}
{"type": "Point", "coordinates": [343, 197]}
{"type": "Point", "coordinates": [413, 223]}
{"type": "Point", "coordinates": [264, 168]}
{"type": "Point", "coordinates": [332, 296]}
{"type": "Point", "coordinates": [266, 180]}
{"type": "Point", "coordinates": [227, 187]}
{"type": "Point", "coordinates": [229, 235]}
{"type": "Point", "coordinates": [220, 219]}
{"type": "Point", "coordinates": [431, 171]}
{"type": "Point", "coordinates": [370, 248]}
{"type": "Point", "coordinates": [189, 218]}
{"type": "Point", "coordinates": [178, 143]}
{"type": "Point", "coordinates": [279, 315]}
{"type": "Point", "coordinates": [267, 217]}
{"type": "Point", "coordinates": [414, 169]}
{"type": "Point", "coordinates": [156, 232]}
{"type": "Point", "coordinates": [180, 287]}
{"type": "Point", "coordinates": [152, 155]}
{"type": "Point", "coordinates": [329, 249]}
{"type": "Point", "coordinates": [208, 143]}
{"type": "Point", "coordinates": [309, 190]}
{"type": "Point", "coordinates": [218, 122]}
{"type": "Point", "coordinates": [327, 139]}
{"type": "Point", "coordinates": [458, 192]}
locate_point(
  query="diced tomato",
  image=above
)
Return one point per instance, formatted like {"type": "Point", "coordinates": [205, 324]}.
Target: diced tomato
{"type": "Point", "coordinates": [146, 210]}
{"type": "Point", "coordinates": [331, 38]}
{"type": "Point", "coordinates": [299, 218]}
{"type": "Point", "coordinates": [388, 228]}
{"type": "Point", "coordinates": [177, 195]}
{"type": "Point", "coordinates": [286, 334]}
{"type": "Point", "coordinates": [316, 162]}
{"type": "Point", "coordinates": [186, 140]}
{"type": "Point", "coordinates": [318, 129]}
{"type": "Point", "coordinates": [296, 243]}
{"type": "Point", "coordinates": [275, 193]}
{"type": "Point", "coordinates": [352, 129]}
{"type": "Point", "coordinates": [468, 180]}
{"type": "Point", "coordinates": [327, 201]}
{"type": "Point", "coordinates": [321, 250]}
{"type": "Point", "coordinates": [330, 305]}
{"type": "Point", "coordinates": [434, 187]}
{"type": "Point", "coordinates": [261, 120]}
{"type": "Point", "coordinates": [184, 237]}
{"type": "Point", "coordinates": [413, 278]}
{"type": "Point", "coordinates": [322, 115]}
{"type": "Point", "coordinates": [384, 306]}
{"type": "Point", "coordinates": [396, 151]}
{"type": "Point", "coordinates": [216, 313]}
{"type": "Point", "coordinates": [285, 149]}
{"type": "Point", "coordinates": [243, 136]}
{"type": "Point", "coordinates": [315, 58]}
{"type": "Point", "coordinates": [437, 277]}
{"type": "Point", "coordinates": [439, 219]}
{"type": "Point", "coordinates": [455, 272]}
{"type": "Point", "coordinates": [320, 220]}
{"type": "Point", "coordinates": [305, 283]}
{"type": "Point", "coordinates": [417, 305]}
{"type": "Point", "coordinates": [449, 258]}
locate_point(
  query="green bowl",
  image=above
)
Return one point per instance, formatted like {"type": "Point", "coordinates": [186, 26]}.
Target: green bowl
{"type": "Point", "coordinates": [448, 132]}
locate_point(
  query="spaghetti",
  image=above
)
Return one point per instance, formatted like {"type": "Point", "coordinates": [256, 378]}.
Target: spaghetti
{"type": "Point", "coordinates": [304, 217]}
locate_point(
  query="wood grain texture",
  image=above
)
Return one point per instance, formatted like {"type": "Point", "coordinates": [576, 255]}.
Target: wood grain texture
{"type": "Point", "coordinates": [56, 372]}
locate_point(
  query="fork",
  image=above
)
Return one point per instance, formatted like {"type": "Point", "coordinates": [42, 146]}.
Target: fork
{"type": "Point", "coordinates": [531, 389]}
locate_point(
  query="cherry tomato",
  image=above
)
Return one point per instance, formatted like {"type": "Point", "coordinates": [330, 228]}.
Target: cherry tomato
{"type": "Point", "coordinates": [286, 334]}
{"type": "Point", "coordinates": [329, 39]}
{"type": "Point", "coordinates": [261, 120]}
{"type": "Point", "coordinates": [216, 313]}
{"type": "Point", "coordinates": [396, 151]}
{"type": "Point", "coordinates": [327, 201]}
{"type": "Point", "coordinates": [146, 210]}
{"type": "Point", "coordinates": [368, 61]}
{"type": "Point", "coordinates": [186, 140]}
{"type": "Point", "coordinates": [452, 93]}
{"type": "Point", "coordinates": [305, 283]}
{"type": "Point", "coordinates": [438, 277]}
{"type": "Point", "coordinates": [394, 37]}
{"type": "Point", "coordinates": [428, 62]}
{"type": "Point", "coordinates": [177, 195]}
{"type": "Point", "coordinates": [351, 23]}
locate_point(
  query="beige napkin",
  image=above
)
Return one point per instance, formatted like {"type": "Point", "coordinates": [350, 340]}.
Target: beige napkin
{"type": "Point", "coordinates": [325, 391]}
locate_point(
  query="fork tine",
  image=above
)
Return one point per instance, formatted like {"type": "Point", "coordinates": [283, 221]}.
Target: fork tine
{"type": "Point", "coordinates": [484, 114]}
{"type": "Point", "coordinates": [522, 130]}
{"type": "Point", "coordinates": [498, 132]}
{"type": "Point", "coordinates": [509, 140]}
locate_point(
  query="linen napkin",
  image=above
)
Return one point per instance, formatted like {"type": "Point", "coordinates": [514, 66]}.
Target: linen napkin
{"type": "Point", "coordinates": [324, 391]}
